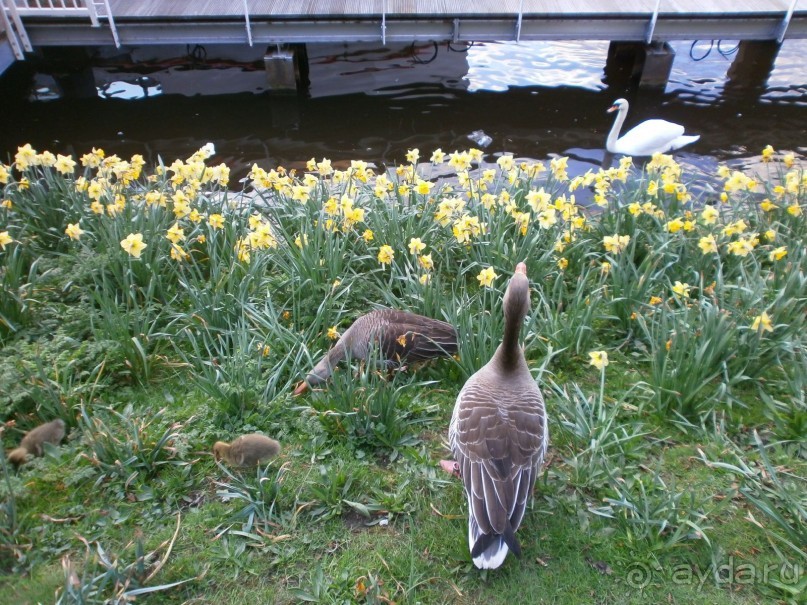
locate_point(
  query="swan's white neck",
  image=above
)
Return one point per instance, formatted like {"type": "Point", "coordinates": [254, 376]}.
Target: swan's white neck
{"type": "Point", "coordinates": [613, 136]}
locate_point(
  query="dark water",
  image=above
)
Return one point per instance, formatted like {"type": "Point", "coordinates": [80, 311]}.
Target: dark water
{"type": "Point", "coordinates": [532, 99]}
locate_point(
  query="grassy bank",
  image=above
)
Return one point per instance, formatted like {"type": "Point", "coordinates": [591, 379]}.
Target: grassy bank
{"type": "Point", "coordinates": [158, 310]}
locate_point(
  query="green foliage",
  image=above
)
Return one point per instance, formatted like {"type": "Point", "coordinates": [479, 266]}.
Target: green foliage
{"type": "Point", "coordinates": [129, 449]}
{"type": "Point", "coordinates": [698, 298]}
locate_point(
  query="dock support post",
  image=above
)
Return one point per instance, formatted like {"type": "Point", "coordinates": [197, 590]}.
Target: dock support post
{"type": "Point", "coordinates": [752, 66]}
{"type": "Point", "coordinates": [658, 62]}
{"type": "Point", "coordinates": [286, 67]}
{"type": "Point", "coordinates": [632, 63]}
{"type": "Point", "coordinates": [72, 69]}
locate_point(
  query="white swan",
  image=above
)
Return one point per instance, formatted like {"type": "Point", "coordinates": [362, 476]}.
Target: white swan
{"type": "Point", "coordinates": [649, 137]}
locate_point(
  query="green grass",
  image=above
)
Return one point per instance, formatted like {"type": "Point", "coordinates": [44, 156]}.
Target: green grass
{"type": "Point", "coordinates": [675, 473]}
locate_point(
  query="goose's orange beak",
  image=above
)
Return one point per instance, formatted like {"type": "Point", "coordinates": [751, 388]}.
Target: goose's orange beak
{"type": "Point", "coordinates": [521, 268]}
{"type": "Point", "coordinates": [301, 388]}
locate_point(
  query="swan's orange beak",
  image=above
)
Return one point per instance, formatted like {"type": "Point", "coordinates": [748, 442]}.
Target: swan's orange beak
{"type": "Point", "coordinates": [521, 268]}
{"type": "Point", "coordinates": [612, 108]}
{"type": "Point", "coordinates": [301, 388]}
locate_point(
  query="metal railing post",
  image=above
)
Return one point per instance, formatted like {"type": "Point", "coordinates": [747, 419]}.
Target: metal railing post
{"type": "Point", "coordinates": [384, 22]}
{"type": "Point", "coordinates": [786, 22]}
{"type": "Point", "coordinates": [520, 18]}
{"type": "Point", "coordinates": [248, 24]}
{"type": "Point", "coordinates": [652, 25]}
{"type": "Point", "coordinates": [90, 4]}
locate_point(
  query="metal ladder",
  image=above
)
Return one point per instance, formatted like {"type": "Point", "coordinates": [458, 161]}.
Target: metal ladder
{"type": "Point", "coordinates": [12, 12]}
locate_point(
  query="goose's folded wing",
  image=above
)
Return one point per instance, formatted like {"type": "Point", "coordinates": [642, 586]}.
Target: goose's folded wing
{"type": "Point", "coordinates": [416, 338]}
{"type": "Point", "coordinates": [498, 455]}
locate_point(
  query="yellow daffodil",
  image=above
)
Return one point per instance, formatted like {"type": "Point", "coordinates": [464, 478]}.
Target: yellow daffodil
{"type": "Point", "coordinates": [762, 323]}
{"type": "Point", "coordinates": [770, 235]}
{"type": "Point", "coordinates": [675, 225]}
{"type": "Point", "coordinates": [386, 254]}
{"type": "Point", "coordinates": [486, 277]}
{"type": "Point", "coordinates": [681, 289]}
{"type": "Point", "coordinates": [558, 167]}
{"type": "Point", "coordinates": [794, 210]}
{"type": "Point", "coordinates": [412, 156]}
{"type": "Point", "coordinates": [789, 159]}
{"type": "Point", "coordinates": [605, 267]}
{"type": "Point", "coordinates": [5, 239]}
{"type": "Point", "coordinates": [416, 246]}
{"type": "Point", "coordinates": [767, 153]}
{"type": "Point", "coordinates": [175, 233]}
{"type": "Point", "coordinates": [242, 250]}
{"type": "Point", "coordinates": [425, 278]}
{"type": "Point", "coordinates": [615, 243]}
{"type": "Point", "coordinates": [563, 263]}
{"type": "Point", "coordinates": [25, 158]}
{"type": "Point", "coordinates": [635, 208]}
{"type": "Point", "coordinates": [64, 164]}
{"type": "Point", "coordinates": [734, 228]}
{"type": "Point", "coordinates": [656, 300]}
{"type": "Point", "coordinates": [426, 262]}
{"type": "Point", "coordinates": [777, 253]}
{"type": "Point", "coordinates": [710, 215]}
{"type": "Point", "coordinates": [707, 244]}
{"type": "Point", "coordinates": [767, 205]}
{"type": "Point", "coordinates": [438, 156]}
{"type": "Point", "coordinates": [367, 236]}
{"type": "Point", "coordinates": [506, 162]}
{"type": "Point", "coordinates": [133, 244]}
{"type": "Point", "coordinates": [598, 359]}
{"type": "Point", "coordinates": [652, 188]}
{"type": "Point", "coordinates": [46, 158]}
{"type": "Point", "coordinates": [178, 253]}
{"type": "Point", "coordinates": [7, 204]}
{"type": "Point", "coordinates": [741, 247]}
{"type": "Point", "coordinates": [333, 333]}
{"type": "Point", "coordinates": [216, 221]}
{"type": "Point", "coordinates": [547, 218]}
{"type": "Point", "coordinates": [538, 200]}
{"type": "Point", "coordinates": [73, 231]}
{"type": "Point", "coordinates": [423, 187]}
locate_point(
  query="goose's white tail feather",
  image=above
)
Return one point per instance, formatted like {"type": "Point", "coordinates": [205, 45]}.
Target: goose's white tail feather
{"type": "Point", "coordinates": [495, 554]}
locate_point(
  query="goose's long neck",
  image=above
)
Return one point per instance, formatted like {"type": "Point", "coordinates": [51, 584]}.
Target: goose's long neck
{"type": "Point", "coordinates": [511, 351]}
{"type": "Point", "coordinates": [613, 136]}
{"type": "Point", "coordinates": [323, 370]}
{"type": "Point", "coordinates": [509, 355]}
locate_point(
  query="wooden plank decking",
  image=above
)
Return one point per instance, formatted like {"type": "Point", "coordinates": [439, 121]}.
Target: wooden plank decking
{"type": "Point", "coordinates": [303, 9]}
{"type": "Point", "coordinates": [144, 22]}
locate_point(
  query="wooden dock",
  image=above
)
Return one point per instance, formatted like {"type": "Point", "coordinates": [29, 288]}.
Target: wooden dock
{"type": "Point", "coordinates": [139, 22]}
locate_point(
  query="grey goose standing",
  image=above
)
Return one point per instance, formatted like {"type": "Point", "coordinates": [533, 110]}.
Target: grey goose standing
{"type": "Point", "coordinates": [498, 435]}
{"type": "Point", "coordinates": [399, 336]}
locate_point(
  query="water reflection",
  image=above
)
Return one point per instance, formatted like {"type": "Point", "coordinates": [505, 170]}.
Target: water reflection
{"type": "Point", "coordinates": [531, 99]}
